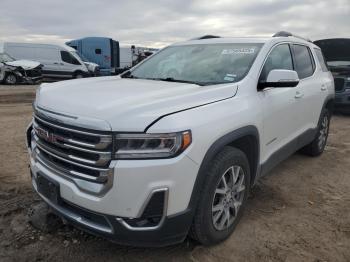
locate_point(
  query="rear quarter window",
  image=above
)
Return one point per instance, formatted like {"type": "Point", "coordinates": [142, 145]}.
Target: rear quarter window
{"type": "Point", "coordinates": [321, 59]}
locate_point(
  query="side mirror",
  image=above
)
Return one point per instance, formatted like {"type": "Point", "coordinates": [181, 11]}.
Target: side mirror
{"type": "Point", "coordinates": [280, 78]}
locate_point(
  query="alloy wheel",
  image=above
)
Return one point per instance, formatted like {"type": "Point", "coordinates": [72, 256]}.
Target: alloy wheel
{"type": "Point", "coordinates": [228, 197]}
{"type": "Point", "coordinates": [11, 79]}
{"type": "Point", "coordinates": [322, 138]}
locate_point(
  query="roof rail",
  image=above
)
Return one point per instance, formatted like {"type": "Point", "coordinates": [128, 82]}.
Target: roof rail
{"type": "Point", "coordinates": [206, 37]}
{"type": "Point", "coordinates": [287, 34]}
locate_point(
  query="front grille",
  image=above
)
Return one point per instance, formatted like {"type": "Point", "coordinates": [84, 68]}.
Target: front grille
{"type": "Point", "coordinates": [71, 152]}
{"type": "Point", "coordinates": [339, 84]}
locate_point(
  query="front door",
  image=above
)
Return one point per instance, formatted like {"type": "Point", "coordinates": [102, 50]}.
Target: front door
{"type": "Point", "coordinates": [280, 119]}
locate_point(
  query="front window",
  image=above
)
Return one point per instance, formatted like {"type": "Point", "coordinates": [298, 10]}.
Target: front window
{"type": "Point", "coordinates": [69, 58]}
{"type": "Point", "coordinates": [5, 58]}
{"type": "Point", "coordinates": [203, 64]}
{"type": "Point", "coordinates": [81, 56]}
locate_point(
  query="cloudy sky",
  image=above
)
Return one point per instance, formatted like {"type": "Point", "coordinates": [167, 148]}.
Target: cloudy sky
{"type": "Point", "coordinates": [156, 23]}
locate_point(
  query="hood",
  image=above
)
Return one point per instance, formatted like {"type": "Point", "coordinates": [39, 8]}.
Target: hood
{"type": "Point", "coordinates": [335, 49]}
{"type": "Point", "coordinates": [91, 66]}
{"type": "Point", "coordinates": [126, 104]}
{"type": "Point", "coordinates": [25, 64]}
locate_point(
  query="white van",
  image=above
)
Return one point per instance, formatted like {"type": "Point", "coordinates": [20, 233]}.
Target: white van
{"type": "Point", "coordinates": [59, 61]}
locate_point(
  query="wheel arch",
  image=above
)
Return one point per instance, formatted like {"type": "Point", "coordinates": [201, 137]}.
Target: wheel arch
{"type": "Point", "coordinates": [78, 71]}
{"type": "Point", "coordinates": [329, 104]}
{"type": "Point", "coordinates": [246, 139]}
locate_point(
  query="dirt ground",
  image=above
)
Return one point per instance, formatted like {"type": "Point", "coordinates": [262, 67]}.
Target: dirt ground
{"type": "Point", "coordinates": [301, 212]}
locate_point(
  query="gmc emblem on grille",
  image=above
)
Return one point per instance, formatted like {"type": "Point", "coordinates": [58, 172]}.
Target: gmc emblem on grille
{"type": "Point", "coordinates": [46, 135]}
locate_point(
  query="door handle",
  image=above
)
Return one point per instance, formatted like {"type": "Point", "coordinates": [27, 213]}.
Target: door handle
{"type": "Point", "coordinates": [298, 94]}
{"type": "Point", "coordinates": [323, 88]}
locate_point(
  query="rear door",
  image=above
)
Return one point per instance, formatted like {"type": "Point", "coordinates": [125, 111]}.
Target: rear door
{"type": "Point", "coordinates": [310, 90]}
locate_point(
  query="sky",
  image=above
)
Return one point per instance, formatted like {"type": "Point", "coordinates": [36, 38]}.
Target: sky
{"type": "Point", "coordinates": [157, 23]}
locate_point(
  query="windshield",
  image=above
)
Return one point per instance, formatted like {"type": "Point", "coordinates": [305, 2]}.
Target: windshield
{"type": "Point", "coordinates": [76, 55]}
{"type": "Point", "coordinates": [203, 64]}
{"type": "Point", "coordinates": [5, 58]}
{"type": "Point", "coordinates": [82, 57]}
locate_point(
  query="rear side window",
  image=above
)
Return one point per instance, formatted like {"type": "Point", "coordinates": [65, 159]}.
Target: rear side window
{"type": "Point", "coordinates": [279, 58]}
{"type": "Point", "coordinates": [303, 61]}
{"type": "Point", "coordinates": [321, 59]}
{"type": "Point", "coordinates": [68, 58]}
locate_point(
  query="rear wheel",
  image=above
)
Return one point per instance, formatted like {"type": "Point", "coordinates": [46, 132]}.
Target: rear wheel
{"type": "Point", "coordinates": [10, 79]}
{"type": "Point", "coordinates": [223, 197]}
{"type": "Point", "coordinates": [316, 147]}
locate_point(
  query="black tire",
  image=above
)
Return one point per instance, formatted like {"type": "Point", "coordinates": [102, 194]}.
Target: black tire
{"type": "Point", "coordinates": [78, 75]}
{"type": "Point", "coordinates": [203, 229]}
{"type": "Point", "coordinates": [316, 147]}
{"type": "Point", "coordinates": [10, 79]}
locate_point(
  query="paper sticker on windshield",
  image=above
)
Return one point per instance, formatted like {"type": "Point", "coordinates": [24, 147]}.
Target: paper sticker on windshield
{"type": "Point", "coordinates": [230, 77]}
{"type": "Point", "coordinates": [236, 51]}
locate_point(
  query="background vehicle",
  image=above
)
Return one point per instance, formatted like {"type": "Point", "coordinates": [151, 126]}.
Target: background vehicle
{"type": "Point", "coordinates": [174, 145]}
{"type": "Point", "coordinates": [100, 50]}
{"type": "Point", "coordinates": [60, 62]}
{"type": "Point", "coordinates": [107, 53]}
{"type": "Point", "coordinates": [337, 55]}
{"type": "Point", "coordinates": [18, 71]}
{"type": "Point", "coordinates": [93, 68]}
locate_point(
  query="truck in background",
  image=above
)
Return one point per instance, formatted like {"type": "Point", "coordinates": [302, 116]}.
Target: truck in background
{"type": "Point", "coordinates": [108, 54]}
{"type": "Point", "coordinates": [59, 61]}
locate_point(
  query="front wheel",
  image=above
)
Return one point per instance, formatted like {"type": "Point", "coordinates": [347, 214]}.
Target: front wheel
{"type": "Point", "coordinates": [78, 75]}
{"type": "Point", "coordinates": [223, 197]}
{"type": "Point", "coordinates": [10, 79]}
{"type": "Point", "coordinates": [316, 147]}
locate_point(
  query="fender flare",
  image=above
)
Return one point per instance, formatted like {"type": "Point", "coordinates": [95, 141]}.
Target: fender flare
{"type": "Point", "coordinates": [214, 149]}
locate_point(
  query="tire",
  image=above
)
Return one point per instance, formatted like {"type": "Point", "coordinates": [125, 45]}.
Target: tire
{"type": "Point", "coordinates": [316, 147]}
{"type": "Point", "coordinates": [10, 79]}
{"type": "Point", "coordinates": [78, 75]}
{"type": "Point", "coordinates": [212, 207]}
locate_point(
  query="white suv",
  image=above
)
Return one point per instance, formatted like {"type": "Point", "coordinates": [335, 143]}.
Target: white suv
{"type": "Point", "coordinates": [174, 145]}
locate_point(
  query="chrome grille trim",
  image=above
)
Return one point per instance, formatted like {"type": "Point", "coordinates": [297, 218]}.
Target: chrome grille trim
{"type": "Point", "coordinates": [105, 140]}
{"type": "Point", "coordinates": [43, 160]}
{"type": "Point", "coordinates": [101, 162]}
{"type": "Point", "coordinates": [82, 157]}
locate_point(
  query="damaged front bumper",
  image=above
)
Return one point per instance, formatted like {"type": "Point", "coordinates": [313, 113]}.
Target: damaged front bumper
{"type": "Point", "coordinates": [26, 76]}
{"type": "Point", "coordinates": [30, 76]}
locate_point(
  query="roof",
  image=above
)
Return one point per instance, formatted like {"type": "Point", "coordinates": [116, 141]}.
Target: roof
{"type": "Point", "coordinates": [41, 44]}
{"type": "Point", "coordinates": [227, 40]}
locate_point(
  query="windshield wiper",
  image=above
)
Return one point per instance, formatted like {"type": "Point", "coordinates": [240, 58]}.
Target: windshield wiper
{"type": "Point", "coordinates": [128, 74]}
{"type": "Point", "coordinates": [171, 79]}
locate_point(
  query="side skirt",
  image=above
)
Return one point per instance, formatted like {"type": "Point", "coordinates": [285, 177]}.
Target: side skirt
{"type": "Point", "coordinates": [287, 150]}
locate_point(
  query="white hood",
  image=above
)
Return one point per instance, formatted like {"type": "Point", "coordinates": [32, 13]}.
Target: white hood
{"type": "Point", "coordinates": [91, 66]}
{"type": "Point", "coordinates": [25, 64]}
{"type": "Point", "coordinates": [126, 104]}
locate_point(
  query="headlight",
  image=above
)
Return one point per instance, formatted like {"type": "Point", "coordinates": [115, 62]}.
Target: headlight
{"type": "Point", "coordinates": [141, 146]}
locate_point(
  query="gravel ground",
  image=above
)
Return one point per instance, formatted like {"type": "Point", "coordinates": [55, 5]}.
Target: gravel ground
{"type": "Point", "coordinates": [301, 212]}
